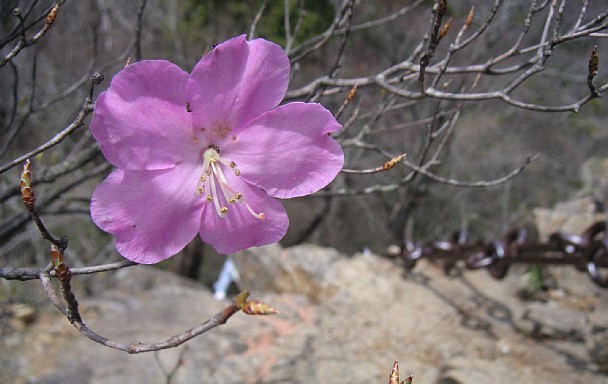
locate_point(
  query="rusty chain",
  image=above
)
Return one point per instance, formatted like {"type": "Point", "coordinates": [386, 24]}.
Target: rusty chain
{"type": "Point", "coordinates": [587, 252]}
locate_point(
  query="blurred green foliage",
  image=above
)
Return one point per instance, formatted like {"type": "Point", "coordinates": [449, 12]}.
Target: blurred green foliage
{"type": "Point", "coordinates": [317, 16]}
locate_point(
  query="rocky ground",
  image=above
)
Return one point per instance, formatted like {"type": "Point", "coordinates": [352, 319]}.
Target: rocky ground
{"type": "Point", "coordinates": [342, 320]}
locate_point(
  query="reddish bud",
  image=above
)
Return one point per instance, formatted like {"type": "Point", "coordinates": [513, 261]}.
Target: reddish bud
{"type": "Point", "coordinates": [392, 162]}
{"type": "Point", "coordinates": [469, 20]}
{"type": "Point", "coordinates": [50, 18]}
{"type": "Point", "coordinates": [351, 93]}
{"type": "Point", "coordinates": [594, 63]}
{"type": "Point", "coordinates": [62, 271]}
{"type": "Point", "coordinates": [25, 184]}
{"type": "Point", "coordinates": [255, 307]}
{"type": "Point", "coordinates": [394, 377]}
{"type": "Point", "coordinates": [56, 255]}
{"type": "Point", "coordinates": [445, 28]}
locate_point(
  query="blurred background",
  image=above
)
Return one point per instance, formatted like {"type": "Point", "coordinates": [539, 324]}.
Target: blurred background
{"type": "Point", "coordinates": [469, 91]}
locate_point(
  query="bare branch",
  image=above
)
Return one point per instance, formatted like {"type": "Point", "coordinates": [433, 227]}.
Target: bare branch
{"type": "Point", "coordinates": [136, 347]}
{"type": "Point", "coordinates": [23, 41]}
{"type": "Point", "coordinates": [85, 110]}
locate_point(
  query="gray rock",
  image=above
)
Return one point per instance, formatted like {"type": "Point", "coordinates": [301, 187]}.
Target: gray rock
{"type": "Point", "coordinates": [573, 216]}
{"type": "Point", "coordinates": [549, 320]}
{"type": "Point", "coordinates": [302, 269]}
{"type": "Point", "coordinates": [597, 339]}
{"type": "Point", "coordinates": [597, 344]}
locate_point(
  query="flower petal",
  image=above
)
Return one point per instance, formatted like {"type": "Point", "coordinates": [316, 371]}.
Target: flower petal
{"type": "Point", "coordinates": [235, 82]}
{"type": "Point", "coordinates": [141, 121]}
{"type": "Point", "coordinates": [153, 214]}
{"type": "Point", "coordinates": [240, 229]}
{"type": "Point", "coordinates": [287, 152]}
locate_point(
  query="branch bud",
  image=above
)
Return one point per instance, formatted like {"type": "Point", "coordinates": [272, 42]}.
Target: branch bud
{"type": "Point", "coordinates": [394, 377]}
{"type": "Point", "coordinates": [392, 162]}
{"type": "Point", "coordinates": [469, 20]}
{"type": "Point", "coordinates": [50, 18]}
{"type": "Point", "coordinates": [253, 307]}
{"type": "Point", "coordinates": [25, 184]}
{"type": "Point", "coordinates": [351, 94]}
{"type": "Point", "coordinates": [56, 255]}
{"type": "Point", "coordinates": [61, 269]}
{"type": "Point", "coordinates": [445, 28]}
{"type": "Point", "coordinates": [594, 63]}
{"type": "Point", "coordinates": [96, 78]}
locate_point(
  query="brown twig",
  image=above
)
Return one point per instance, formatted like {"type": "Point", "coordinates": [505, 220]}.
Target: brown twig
{"type": "Point", "coordinates": [29, 200]}
{"type": "Point", "coordinates": [439, 11]}
{"type": "Point", "coordinates": [135, 347]}
{"type": "Point", "coordinates": [25, 274]}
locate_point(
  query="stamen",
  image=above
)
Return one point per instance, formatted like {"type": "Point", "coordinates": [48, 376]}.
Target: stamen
{"type": "Point", "coordinates": [216, 202]}
{"type": "Point", "coordinates": [260, 215]}
{"type": "Point", "coordinates": [214, 176]}
{"type": "Point", "coordinates": [226, 190]}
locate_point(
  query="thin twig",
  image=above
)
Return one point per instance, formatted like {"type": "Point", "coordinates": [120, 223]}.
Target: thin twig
{"type": "Point", "coordinates": [136, 347]}
{"type": "Point", "coordinates": [138, 29]}
{"type": "Point", "coordinates": [23, 41]}
{"type": "Point", "coordinates": [85, 110]}
{"type": "Point", "coordinates": [256, 20]}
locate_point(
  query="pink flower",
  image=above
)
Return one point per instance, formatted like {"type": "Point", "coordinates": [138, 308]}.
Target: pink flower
{"type": "Point", "coordinates": [208, 152]}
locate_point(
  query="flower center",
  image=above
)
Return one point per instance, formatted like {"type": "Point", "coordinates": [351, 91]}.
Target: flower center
{"type": "Point", "coordinates": [213, 182]}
